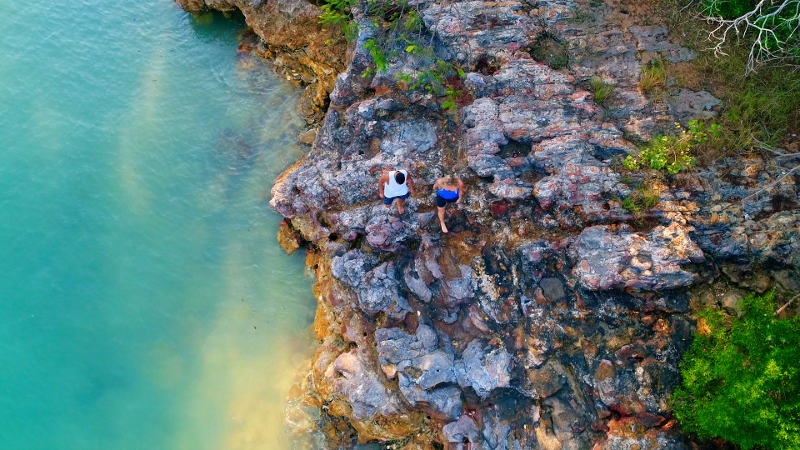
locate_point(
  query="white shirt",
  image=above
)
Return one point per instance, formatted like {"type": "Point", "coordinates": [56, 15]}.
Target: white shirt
{"type": "Point", "coordinates": [392, 189]}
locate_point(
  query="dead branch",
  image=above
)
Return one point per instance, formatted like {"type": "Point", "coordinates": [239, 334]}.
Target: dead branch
{"type": "Point", "coordinates": [773, 184]}
{"type": "Point", "coordinates": [764, 20]}
{"type": "Point", "coordinates": [787, 304]}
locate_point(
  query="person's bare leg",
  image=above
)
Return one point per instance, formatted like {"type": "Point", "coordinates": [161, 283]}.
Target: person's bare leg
{"type": "Point", "coordinates": [400, 208]}
{"type": "Point", "coordinates": [441, 219]}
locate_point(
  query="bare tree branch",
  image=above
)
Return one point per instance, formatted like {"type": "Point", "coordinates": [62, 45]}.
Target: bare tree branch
{"type": "Point", "coordinates": [771, 185]}
{"type": "Point", "coordinates": [787, 304]}
{"type": "Point", "coordinates": [777, 29]}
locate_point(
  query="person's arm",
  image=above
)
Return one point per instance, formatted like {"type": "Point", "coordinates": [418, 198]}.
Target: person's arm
{"type": "Point", "coordinates": [382, 182]}
{"type": "Point", "coordinates": [436, 184]}
{"type": "Point", "coordinates": [410, 184]}
{"type": "Point", "coordinates": [460, 190]}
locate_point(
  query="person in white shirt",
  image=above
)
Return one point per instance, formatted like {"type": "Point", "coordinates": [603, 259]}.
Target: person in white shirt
{"type": "Point", "coordinates": [395, 185]}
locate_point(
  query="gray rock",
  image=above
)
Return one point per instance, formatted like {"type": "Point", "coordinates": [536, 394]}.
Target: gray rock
{"type": "Point", "coordinates": [607, 259]}
{"type": "Point", "coordinates": [424, 369]}
{"type": "Point", "coordinates": [553, 289]}
{"type": "Point", "coordinates": [388, 231]}
{"type": "Point", "coordinates": [353, 379]}
{"type": "Point", "coordinates": [403, 137]}
{"type": "Point", "coordinates": [689, 105]}
{"type": "Point", "coordinates": [464, 428]}
{"type": "Point", "coordinates": [497, 29]}
{"type": "Point", "coordinates": [483, 368]}
{"type": "Point", "coordinates": [376, 287]}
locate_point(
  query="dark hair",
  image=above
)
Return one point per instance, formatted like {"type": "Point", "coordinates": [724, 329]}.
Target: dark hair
{"type": "Point", "coordinates": [399, 177]}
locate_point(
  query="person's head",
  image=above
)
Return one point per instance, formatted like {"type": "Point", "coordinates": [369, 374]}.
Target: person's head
{"type": "Point", "coordinates": [449, 180]}
{"type": "Point", "coordinates": [399, 177]}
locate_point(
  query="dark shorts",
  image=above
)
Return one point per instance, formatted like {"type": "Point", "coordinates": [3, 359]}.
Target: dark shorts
{"type": "Point", "coordinates": [441, 201]}
{"type": "Point", "coordinates": [389, 200]}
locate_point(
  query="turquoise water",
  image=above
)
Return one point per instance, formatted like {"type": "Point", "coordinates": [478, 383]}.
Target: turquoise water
{"type": "Point", "coordinates": [144, 302]}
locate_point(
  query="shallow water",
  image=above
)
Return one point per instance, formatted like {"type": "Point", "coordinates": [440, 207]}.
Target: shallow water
{"type": "Point", "coordinates": [144, 301]}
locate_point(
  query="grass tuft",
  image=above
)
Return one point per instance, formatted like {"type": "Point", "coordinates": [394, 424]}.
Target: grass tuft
{"type": "Point", "coordinates": [654, 75]}
{"type": "Point", "coordinates": [601, 89]}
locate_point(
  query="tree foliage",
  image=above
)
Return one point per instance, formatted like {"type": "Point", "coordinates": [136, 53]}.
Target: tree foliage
{"type": "Point", "coordinates": [741, 380]}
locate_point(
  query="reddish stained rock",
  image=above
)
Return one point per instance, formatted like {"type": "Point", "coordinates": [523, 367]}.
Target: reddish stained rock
{"type": "Point", "coordinates": [651, 420]}
{"type": "Point", "coordinates": [498, 208]}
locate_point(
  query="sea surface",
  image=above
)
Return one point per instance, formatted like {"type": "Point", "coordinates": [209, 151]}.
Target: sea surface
{"type": "Point", "coordinates": [144, 301]}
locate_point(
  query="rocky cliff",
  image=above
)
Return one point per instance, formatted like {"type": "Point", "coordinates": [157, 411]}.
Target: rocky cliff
{"type": "Point", "coordinates": [549, 317]}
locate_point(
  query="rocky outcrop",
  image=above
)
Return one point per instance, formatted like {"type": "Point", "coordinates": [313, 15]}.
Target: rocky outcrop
{"type": "Point", "coordinates": [618, 259]}
{"type": "Point", "coordinates": [549, 317]}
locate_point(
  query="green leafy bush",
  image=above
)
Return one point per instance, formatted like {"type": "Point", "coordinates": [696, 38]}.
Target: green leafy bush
{"type": "Point", "coordinates": [673, 153]}
{"type": "Point", "coordinates": [741, 381]}
{"type": "Point", "coordinates": [337, 13]}
{"type": "Point", "coordinates": [398, 25]}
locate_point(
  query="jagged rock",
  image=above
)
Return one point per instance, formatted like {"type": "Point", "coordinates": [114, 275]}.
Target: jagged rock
{"type": "Point", "coordinates": [424, 369]}
{"type": "Point", "coordinates": [570, 325]}
{"type": "Point", "coordinates": [694, 105]}
{"type": "Point", "coordinates": [615, 259]}
{"type": "Point", "coordinates": [655, 39]}
{"type": "Point", "coordinates": [389, 231]}
{"type": "Point", "coordinates": [307, 137]}
{"type": "Point", "coordinates": [463, 428]}
{"type": "Point", "coordinates": [547, 380]}
{"type": "Point", "coordinates": [377, 286]}
{"type": "Point", "coordinates": [498, 29]}
{"type": "Point", "coordinates": [353, 379]}
{"type": "Point", "coordinates": [288, 238]}
{"type": "Point", "coordinates": [483, 368]}
{"type": "Point", "coordinates": [407, 137]}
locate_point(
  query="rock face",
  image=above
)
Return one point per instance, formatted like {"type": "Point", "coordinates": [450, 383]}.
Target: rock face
{"type": "Point", "coordinates": [616, 260]}
{"type": "Point", "coordinates": [549, 317]}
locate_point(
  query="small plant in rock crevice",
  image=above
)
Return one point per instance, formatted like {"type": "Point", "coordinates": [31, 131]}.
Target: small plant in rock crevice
{"type": "Point", "coordinates": [654, 75]}
{"type": "Point", "coordinates": [601, 89]}
{"type": "Point", "coordinates": [641, 199]}
{"type": "Point", "coordinates": [338, 14]}
{"type": "Point", "coordinates": [673, 153]}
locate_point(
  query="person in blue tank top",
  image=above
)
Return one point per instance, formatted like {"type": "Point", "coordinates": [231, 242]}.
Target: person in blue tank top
{"type": "Point", "coordinates": [449, 189]}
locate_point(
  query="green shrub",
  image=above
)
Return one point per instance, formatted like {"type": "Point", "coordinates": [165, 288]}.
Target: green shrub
{"type": "Point", "coordinates": [337, 13]}
{"type": "Point", "coordinates": [673, 153]}
{"type": "Point", "coordinates": [741, 381]}
{"type": "Point", "coordinates": [759, 108]}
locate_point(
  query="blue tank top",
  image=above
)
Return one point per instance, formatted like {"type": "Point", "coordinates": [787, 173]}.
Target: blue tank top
{"type": "Point", "coordinates": [447, 195]}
